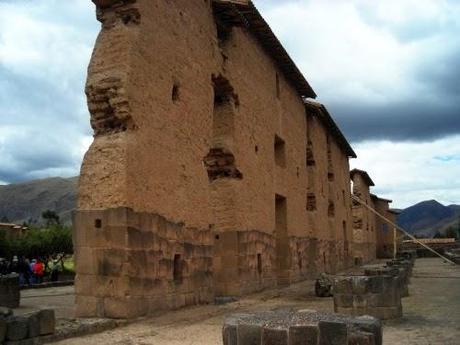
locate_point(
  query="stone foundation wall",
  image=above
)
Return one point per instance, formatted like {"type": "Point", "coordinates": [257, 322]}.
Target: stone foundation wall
{"type": "Point", "coordinates": [28, 328]}
{"type": "Point", "coordinates": [400, 273]}
{"type": "Point", "coordinates": [244, 262]}
{"type": "Point", "coordinates": [378, 296]}
{"type": "Point", "coordinates": [130, 264]}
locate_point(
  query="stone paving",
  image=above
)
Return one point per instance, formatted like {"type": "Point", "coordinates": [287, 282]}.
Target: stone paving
{"type": "Point", "coordinates": [431, 313]}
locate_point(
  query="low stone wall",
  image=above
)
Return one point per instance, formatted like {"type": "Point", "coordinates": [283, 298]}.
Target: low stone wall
{"type": "Point", "coordinates": [300, 328]}
{"type": "Point", "coordinates": [26, 329]}
{"type": "Point", "coordinates": [399, 272]}
{"type": "Point", "coordinates": [378, 296]}
{"type": "Point", "coordinates": [407, 264]}
{"type": "Point", "coordinates": [9, 291]}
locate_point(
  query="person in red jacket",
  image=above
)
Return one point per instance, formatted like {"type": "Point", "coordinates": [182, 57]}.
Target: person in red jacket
{"type": "Point", "coordinates": [39, 271]}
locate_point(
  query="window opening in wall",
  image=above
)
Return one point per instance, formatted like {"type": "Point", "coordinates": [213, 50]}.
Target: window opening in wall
{"type": "Point", "coordinates": [98, 223]}
{"type": "Point", "coordinates": [330, 170]}
{"type": "Point", "coordinates": [177, 269]}
{"type": "Point", "coordinates": [310, 156]}
{"type": "Point", "coordinates": [259, 263]}
{"type": "Point", "coordinates": [345, 237]}
{"type": "Point", "coordinates": [300, 260]}
{"type": "Point", "coordinates": [311, 202]}
{"type": "Point", "coordinates": [385, 228]}
{"type": "Point", "coordinates": [224, 33]}
{"type": "Point", "coordinates": [324, 260]}
{"type": "Point", "coordinates": [280, 152]}
{"type": "Point", "coordinates": [278, 91]}
{"type": "Point", "coordinates": [217, 237]}
{"type": "Point", "coordinates": [256, 149]}
{"type": "Point", "coordinates": [175, 93]}
{"type": "Point", "coordinates": [331, 209]}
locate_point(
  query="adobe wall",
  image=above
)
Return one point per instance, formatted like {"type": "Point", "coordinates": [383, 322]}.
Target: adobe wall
{"type": "Point", "coordinates": [206, 134]}
{"type": "Point", "coordinates": [328, 199]}
{"type": "Point", "coordinates": [364, 222]}
{"type": "Point", "coordinates": [384, 231]}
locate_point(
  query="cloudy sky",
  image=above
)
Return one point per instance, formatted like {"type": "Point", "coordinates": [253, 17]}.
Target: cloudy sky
{"type": "Point", "coordinates": [388, 70]}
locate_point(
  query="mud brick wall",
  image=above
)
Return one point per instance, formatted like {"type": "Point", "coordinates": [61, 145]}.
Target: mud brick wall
{"type": "Point", "coordinates": [130, 264]}
{"type": "Point", "coordinates": [378, 296]}
{"type": "Point", "coordinates": [384, 231]}
{"type": "Point", "coordinates": [9, 291]}
{"type": "Point", "coordinates": [364, 221]}
{"type": "Point", "coordinates": [195, 122]}
{"type": "Point", "coordinates": [299, 328]}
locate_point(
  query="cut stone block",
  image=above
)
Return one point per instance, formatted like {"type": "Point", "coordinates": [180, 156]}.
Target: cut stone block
{"type": "Point", "coordinates": [17, 328]}
{"type": "Point", "coordinates": [33, 325]}
{"type": "Point", "coordinates": [47, 321]}
{"type": "Point", "coordinates": [9, 291]}
{"type": "Point", "coordinates": [303, 335]}
{"type": "Point", "coordinates": [333, 333]}
{"type": "Point", "coordinates": [2, 330]}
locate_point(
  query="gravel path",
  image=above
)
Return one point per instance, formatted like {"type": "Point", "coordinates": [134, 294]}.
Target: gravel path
{"type": "Point", "coordinates": [431, 314]}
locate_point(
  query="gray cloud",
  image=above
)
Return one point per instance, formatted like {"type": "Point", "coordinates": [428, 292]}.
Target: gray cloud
{"type": "Point", "coordinates": [45, 47]}
{"type": "Point", "coordinates": [407, 121]}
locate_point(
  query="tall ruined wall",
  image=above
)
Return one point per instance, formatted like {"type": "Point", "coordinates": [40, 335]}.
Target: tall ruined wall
{"type": "Point", "coordinates": [364, 222]}
{"type": "Point", "coordinates": [198, 166]}
{"type": "Point", "coordinates": [384, 231]}
{"type": "Point", "coordinates": [328, 198]}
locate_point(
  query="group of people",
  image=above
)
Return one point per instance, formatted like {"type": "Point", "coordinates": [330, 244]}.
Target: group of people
{"type": "Point", "coordinates": [30, 271]}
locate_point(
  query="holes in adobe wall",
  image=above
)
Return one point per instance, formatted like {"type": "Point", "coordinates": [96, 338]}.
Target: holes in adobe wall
{"type": "Point", "coordinates": [259, 263]}
{"type": "Point", "coordinates": [280, 152]}
{"type": "Point", "coordinates": [330, 176]}
{"type": "Point", "coordinates": [331, 209]}
{"type": "Point", "coordinates": [177, 269]}
{"type": "Point", "coordinates": [98, 223]}
{"type": "Point", "coordinates": [175, 92]}
{"type": "Point", "coordinates": [310, 155]}
{"type": "Point", "coordinates": [223, 92]}
{"type": "Point", "coordinates": [311, 202]}
{"type": "Point", "coordinates": [130, 16]}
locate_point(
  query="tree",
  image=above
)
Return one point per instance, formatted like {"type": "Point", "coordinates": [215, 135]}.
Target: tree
{"type": "Point", "coordinates": [437, 235]}
{"type": "Point", "coordinates": [451, 233]}
{"type": "Point", "coordinates": [51, 218]}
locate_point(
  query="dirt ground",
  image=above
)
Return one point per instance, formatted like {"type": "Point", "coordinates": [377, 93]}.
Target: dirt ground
{"type": "Point", "coordinates": [431, 313]}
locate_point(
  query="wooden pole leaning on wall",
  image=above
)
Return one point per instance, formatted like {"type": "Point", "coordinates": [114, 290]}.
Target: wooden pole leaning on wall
{"type": "Point", "coordinates": [412, 237]}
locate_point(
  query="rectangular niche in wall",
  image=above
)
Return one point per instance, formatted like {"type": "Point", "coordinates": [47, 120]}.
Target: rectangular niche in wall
{"type": "Point", "coordinates": [282, 241]}
{"type": "Point", "coordinates": [280, 152]}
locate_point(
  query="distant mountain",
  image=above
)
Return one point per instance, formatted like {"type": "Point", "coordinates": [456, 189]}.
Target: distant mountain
{"type": "Point", "coordinates": [25, 202]}
{"type": "Point", "coordinates": [428, 217]}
